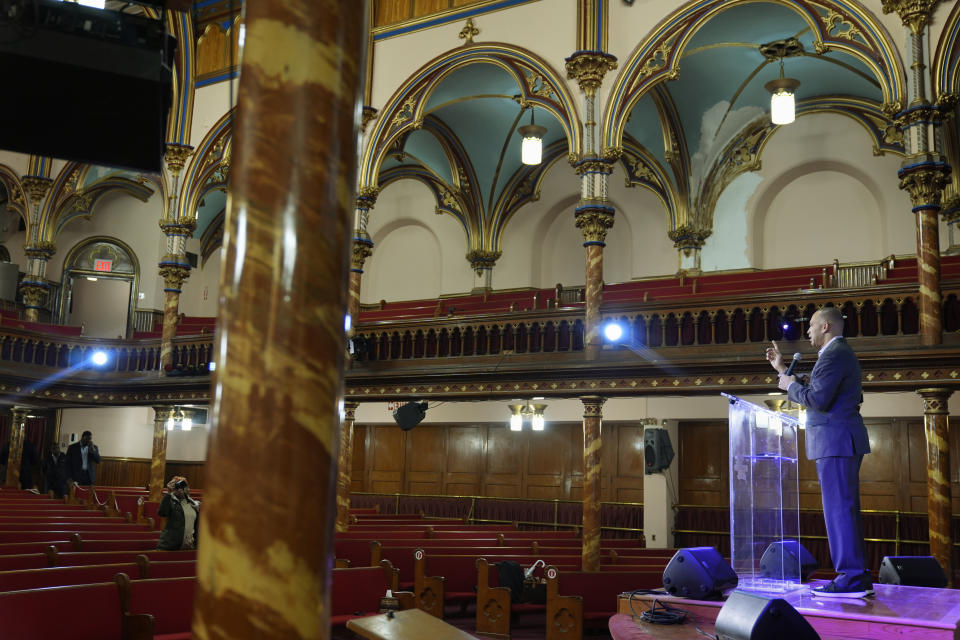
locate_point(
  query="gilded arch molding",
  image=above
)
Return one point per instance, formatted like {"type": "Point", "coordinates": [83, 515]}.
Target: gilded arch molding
{"type": "Point", "coordinates": [945, 67]}
{"type": "Point", "coordinates": [539, 84]}
{"type": "Point", "coordinates": [836, 25]}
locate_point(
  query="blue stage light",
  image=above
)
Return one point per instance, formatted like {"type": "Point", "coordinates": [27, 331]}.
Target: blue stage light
{"type": "Point", "coordinates": [612, 331]}
{"type": "Point", "coordinates": [99, 358]}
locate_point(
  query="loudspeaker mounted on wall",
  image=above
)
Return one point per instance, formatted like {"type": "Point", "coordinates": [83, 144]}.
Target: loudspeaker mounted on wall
{"type": "Point", "coordinates": [657, 450]}
{"type": "Point", "coordinates": [912, 571]}
{"type": "Point", "coordinates": [752, 616]}
{"type": "Point", "coordinates": [700, 573]}
{"type": "Point", "coordinates": [410, 415]}
{"type": "Point", "coordinates": [787, 560]}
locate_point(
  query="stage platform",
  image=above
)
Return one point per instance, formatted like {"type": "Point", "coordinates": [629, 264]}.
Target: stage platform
{"type": "Point", "coordinates": [893, 613]}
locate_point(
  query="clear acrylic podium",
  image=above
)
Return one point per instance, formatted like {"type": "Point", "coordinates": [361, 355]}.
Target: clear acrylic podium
{"type": "Point", "coordinates": [764, 497]}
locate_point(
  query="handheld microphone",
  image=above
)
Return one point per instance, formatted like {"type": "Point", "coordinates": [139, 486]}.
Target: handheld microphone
{"type": "Point", "coordinates": [793, 363]}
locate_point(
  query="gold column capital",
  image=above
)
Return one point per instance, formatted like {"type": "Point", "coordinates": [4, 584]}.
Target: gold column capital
{"type": "Point", "coordinates": [42, 250]}
{"type": "Point", "coordinates": [367, 197]}
{"type": "Point", "coordinates": [176, 156]}
{"type": "Point", "coordinates": [369, 115]}
{"type": "Point", "coordinates": [914, 14]}
{"type": "Point", "coordinates": [34, 294]}
{"type": "Point", "coordinates": [593, 219]}
{"type": "Point", "coordinates": [174, 275]}
{"type": "Point", "coordinates": [935, 400]}
{"type": "Point", "coordinates": [481, 259]}
{"type": "Point", "coordinates": [688, 237]}
{"type": "Point", "coordinates": [588, 68]}
{"type": "Point", "coordinates": [173, 227]}
{"type": "Point", "coordinates": [19, 414]}
{"type": "Point", "coordinates": [162, 413]}
{"type": "Point", "coordinates": [362, 249]}
{"type": "Point", "coordinates": [36, 187]}
{"type": "Point", "coordinates": [925, 184]}
{"type": "Point", "coordinates": [592, 406]}
{"type": "Point", "coordinates": [350, 410]}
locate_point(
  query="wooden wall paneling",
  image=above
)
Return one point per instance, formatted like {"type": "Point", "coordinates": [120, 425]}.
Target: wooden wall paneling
{"type": "Point", "coordinates": [914, 465]}
{"type": "Point", "coordinates": [359, 462]}
{"type": "Point", "coordinates": [464, 460]}
{"type": "Point", "coordinates": [506, 454]}
{"type": "Point", "coordinates": [626, 464]}
{"type": "Point", "coordinates": [392, 11]}
{"type": "Point", "coordinates": [880, 473]}
{"type": "Point", "coordinates": [426, 459]}
{"type": "Point", "coordinates": [135, 472]}
{"type": "Point", "coordinates": [194, 472]}
{"type": "Point", "coordinates": [426, 7]}
{"type": "Point", "coordinates": [548, 461]}
{"type": "Point", "coordinates": [703, 453]}
{"type": "Point", "coordinates": [387, 459]}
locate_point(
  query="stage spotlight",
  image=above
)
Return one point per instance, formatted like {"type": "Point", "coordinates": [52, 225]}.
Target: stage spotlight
{"type": "Point", "coordinates": [410, 415]}
{"type": "Point", "coordinates": [612, 331]}
{"type": "Point", "coordinates": [99, 357]}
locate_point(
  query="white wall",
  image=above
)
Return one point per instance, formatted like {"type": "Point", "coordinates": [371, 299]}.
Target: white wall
{"type": "Point", "coordinates": [101, 307]}
{"type": "Point", "coordinates": [127, 432]}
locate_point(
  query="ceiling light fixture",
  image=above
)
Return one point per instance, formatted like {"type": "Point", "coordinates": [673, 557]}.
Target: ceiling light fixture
{"type": "Point", "coordinates": [782, 103]}
{"type": "Point", "coordinates": [531, 152]}
{"type": "Point", "coordinates": [532, 413]}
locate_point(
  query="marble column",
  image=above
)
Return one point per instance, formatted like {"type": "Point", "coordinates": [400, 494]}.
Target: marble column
{"type": "Point", "coordinates": [593, 220]}
{"type": "Point", "coordinates": [345, 465]}
{"type": "Point", "coordinates": [362, 249]}
{"type": "Point", "coordinates": [173, 276]}
{"type": "Point", "coordinates": [928, 274]}
{"type": "Point", "coordinates": [18, 429]}
{"type": "Point", "coordinates": [592, 417]}
{"type": "Point", "coordinates": [936, 418]}
{"type": "Point", "coordinates": [158, 461]}
{"type": "Point", "coordinates": [264, 560]}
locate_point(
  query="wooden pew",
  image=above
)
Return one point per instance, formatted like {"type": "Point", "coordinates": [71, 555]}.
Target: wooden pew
{"type": "Point", "coordinates": [155, 607]}
{"type": "Point", "coordinates": [356, 593]}
{"type": "Point", "coordinates": [82, 612]}
{"type": "Point", "coordinates": [579, 598]}
{"type": "Point", "coordinates": [64, 576]}
{"type": "Point", "coordinates": [14, 562]}
{"type": "Point", "coordinates": [57, 558]}
{"type": "Point", "coordinates": [158, 568]}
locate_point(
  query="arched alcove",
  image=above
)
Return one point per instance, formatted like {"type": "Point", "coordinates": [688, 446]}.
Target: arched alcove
{"type": "Point", "coordinates": [101, 277]}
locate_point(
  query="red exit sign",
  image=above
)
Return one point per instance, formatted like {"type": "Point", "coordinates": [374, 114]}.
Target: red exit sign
{"type": "Point", "coordinates": [103, 265]}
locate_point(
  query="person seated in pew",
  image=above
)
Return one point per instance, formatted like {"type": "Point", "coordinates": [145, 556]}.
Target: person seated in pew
{"type": "Point", "coordinates": [182, 513]}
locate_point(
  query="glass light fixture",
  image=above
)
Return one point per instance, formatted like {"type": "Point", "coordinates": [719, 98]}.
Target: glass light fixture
{"type": "Point", "coordinates": [782, 104]}
{"type": "Point", "coordinates": [531, 151]}
{"type": "Point", "coordinates": [516, 417]}
{"type": "Point", "coordinates": [533, 413]}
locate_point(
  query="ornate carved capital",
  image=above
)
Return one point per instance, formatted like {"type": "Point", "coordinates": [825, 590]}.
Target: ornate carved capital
{"type": "Point", "coordinates": [173, 227]}
{"type": "Point", "coordinates": [925, 183]}
{"type": "Point", "coordinates": [34, 294]}
{"type": "Point", "coordinates": [40, 250]}
{"type": "Point", "coordinates": [950, 211]}
{"type": "Point", "coordinates": [594, 165]}
{"type": "Point", "coordinates": [946, 102]}
{"type": "Point", "coordinates": [593, 220]}
{"type": "Point", "coordinates": [161, 413]}
{"type": "Point", "coordinates": [481, 259]}
{"type": "Point", "coordinates": [367, 197]}
{"type": "Point", "coordinates": [362, 249]}
{"type": "Point", "coordinates": [36, 187]}
{"type": "Point", "coordinates": [913, 13]}
{"type": "Point", "coordinates": [369, 115]}
{"type": "Point", "coordinates": [935, 401]}
{"type": "Point", "coordinates": [176, 156]}
{"type": "Point", "coordinates": [588, 69]}
{"type": "Point", "coordinates": [350, 410]}
{"type": "Point", "coordinates": [688, 237]}
{"type": "Point", "coordinates": [20, 415]}
{"type": "Point", "coordinates": [592, 406]}
{"type": "Point", "coordinates": [174, 275]}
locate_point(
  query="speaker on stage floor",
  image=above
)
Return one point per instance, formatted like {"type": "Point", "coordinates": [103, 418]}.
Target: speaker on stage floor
{"type": "Point", "coordinates": [698, 572]}
{"type": "Point", "coordinates": [912, 571]}
{"type": "Point", "coordinates": [787, 559]}
{"type": "Point", "coordinates": [751, 616]}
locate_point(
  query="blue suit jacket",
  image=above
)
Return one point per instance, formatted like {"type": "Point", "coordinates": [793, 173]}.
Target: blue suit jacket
{"type": "Point", "coordinates": [832, 398]}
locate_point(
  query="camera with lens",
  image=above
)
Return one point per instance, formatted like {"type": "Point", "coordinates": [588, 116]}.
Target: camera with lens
{"type": "Point", "coordinates": [181, 484]}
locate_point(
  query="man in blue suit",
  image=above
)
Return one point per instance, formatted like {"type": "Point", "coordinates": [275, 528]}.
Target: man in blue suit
{"type": "Point", "coordinates": [836, 439]}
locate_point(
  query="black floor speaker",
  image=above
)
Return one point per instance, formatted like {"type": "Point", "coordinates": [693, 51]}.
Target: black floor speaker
{"type": "Point", "coordinates": [698, 572]}
{"type": "Point", "coordinates": [787, 560]}
{"type": "Point", "coordinates": [751, 616]}
{"type": "Point", "coordinates": [912, 571]}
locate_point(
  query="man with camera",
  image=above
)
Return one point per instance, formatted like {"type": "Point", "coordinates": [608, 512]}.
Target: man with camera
{"type": "Point", "coordinates": [182, 513]}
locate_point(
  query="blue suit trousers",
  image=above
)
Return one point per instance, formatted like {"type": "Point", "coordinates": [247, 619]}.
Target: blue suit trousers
{"type": "Point", "coordinates": [840, 486]}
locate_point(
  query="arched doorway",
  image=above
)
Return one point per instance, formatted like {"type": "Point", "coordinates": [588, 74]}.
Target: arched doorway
{"type": "Point", "coordinates": [101, 277]}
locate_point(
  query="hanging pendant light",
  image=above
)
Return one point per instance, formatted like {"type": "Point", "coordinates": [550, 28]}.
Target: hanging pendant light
{"type": "Point", "coordinates": [782, 104]}
{"type": "Point", "coordinates": [531, 152]}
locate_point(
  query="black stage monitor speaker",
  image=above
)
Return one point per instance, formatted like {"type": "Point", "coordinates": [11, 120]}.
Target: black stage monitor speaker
{"type": "Point", "coordinates": [700, 573]}
{"type": "Point", "coordinates": [787, 560]}
{"type": "Point", "coordinates": [912, 571]}
{"type": "Point", "coordinates": [97, 84]}
{"type": "Point", "coordinates": [657, 450]}
{"type": "Point", "coordinates": [751, 616]}
{"type": "Point", "coordinates": [410, 415]}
